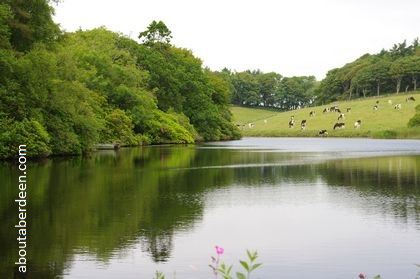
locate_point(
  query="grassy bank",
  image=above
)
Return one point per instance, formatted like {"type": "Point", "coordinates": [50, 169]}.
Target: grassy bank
{"type": "Point", "coordinates": [385, 122]}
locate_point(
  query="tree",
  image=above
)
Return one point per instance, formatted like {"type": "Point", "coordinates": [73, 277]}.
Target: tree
{"type": "Point", "coordinates": [31, 22]}
{"type": "Point", "coordinates": [413, 69]}
{"type": "Point", "coordinates": [5, 17]}
{"type": "Point", "coordinates": [398, 69]}
{"type": "Point", "coordinates": [157, 33]}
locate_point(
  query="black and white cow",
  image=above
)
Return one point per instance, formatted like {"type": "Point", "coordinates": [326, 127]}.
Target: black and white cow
{"type": "Point", "coordinates": [348, 109]}
{"type": "Point", "coordinates": [339, 125]}
{"type": "Point", "coordinates": [322, 132]}
{"type": "Point", "coordinates": [341, 116]}
{"type": "Point", "coordinates": [312, 113]}
{"type": "Point", "coordinates": [357, 124]}
{"type": "Point", "coordinates": [292, 122]}
{"type": "Point", "coordinates": [397, 106]}
{"type": "Point", "coordinates": [303, 124]}
{"type": "Point", "coordinates": [410, 99]}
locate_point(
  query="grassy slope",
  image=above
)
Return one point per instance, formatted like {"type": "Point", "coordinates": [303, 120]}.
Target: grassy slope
{"type": "Point", "coordinates": [386, 122]}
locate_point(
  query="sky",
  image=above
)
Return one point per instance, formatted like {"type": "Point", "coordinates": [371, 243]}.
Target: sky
{"type": "Point", "coordinates": [290, 37]}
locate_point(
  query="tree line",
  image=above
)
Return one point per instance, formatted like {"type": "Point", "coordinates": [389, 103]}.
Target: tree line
{"type": "Point", "coordinates": [255, 88]}
{"type": "Point", "coordinates": [389, 71]}
{"type": "Point", "coordinates": [62, 93]}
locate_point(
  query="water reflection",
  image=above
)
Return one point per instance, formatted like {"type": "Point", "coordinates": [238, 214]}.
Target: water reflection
{"type": "Point", "coordinates": [110, 201]}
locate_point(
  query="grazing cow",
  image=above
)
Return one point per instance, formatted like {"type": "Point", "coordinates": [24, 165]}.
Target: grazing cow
{"type": "Point", "coordinates": [339, 125]}
{"type": "Point", "coordinates": [337, 110]}
{"type": "Point", "coordinates": [322, 132]}
{"type": "Point", "coordinates": [312, 113]}
{"type": "Point", "coordinates": [410, 99]}
{"type": "Point", "coordinates": [292, 122]}
{"type": "Point", "coordinates": [348, 110]}
{"type": "Point", "coordinates": [341, 116]}
{"type": "Point", "coordinates": [303, 124]}
{"type": "Point", "coordinates": [397, 106]}
{"type": "Point", "coordinates": [375, 107]}
{"type": "Point", "coordinates": [334, 108]}
{"type": "Point", "coordinates": [251, 125]}
{"type": "Point", "coordinates": [390, 102]}
{"type": "Point", "coordinates": [326, 110]}
{"type": "Point", "coordinates": [357, 124]}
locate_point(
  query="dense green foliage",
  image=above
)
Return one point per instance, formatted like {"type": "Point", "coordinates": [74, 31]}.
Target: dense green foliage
{"type": "Point", "coordinates": [254, 88]}
{"type": "Point", "coordinates": [64, 93]}
{"type": "Point", "coordinates": [415, 121]}
{"type": "Point", "coordinates": [389, 71]}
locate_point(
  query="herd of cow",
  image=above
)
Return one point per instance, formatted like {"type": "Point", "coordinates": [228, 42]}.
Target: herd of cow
{"type": "Point", "coordinates": [341, 116]}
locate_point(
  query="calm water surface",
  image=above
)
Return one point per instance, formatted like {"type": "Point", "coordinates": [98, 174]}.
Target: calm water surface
{"type": "Point", "coordinates": [313, 208]}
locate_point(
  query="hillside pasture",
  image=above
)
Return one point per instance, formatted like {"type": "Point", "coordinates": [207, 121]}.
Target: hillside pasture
{"type": "Point", "coordinates": [384, 122]}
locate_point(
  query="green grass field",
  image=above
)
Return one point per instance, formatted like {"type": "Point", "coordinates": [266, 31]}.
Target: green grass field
{"type": "Point", "coordinates": [386, 122]}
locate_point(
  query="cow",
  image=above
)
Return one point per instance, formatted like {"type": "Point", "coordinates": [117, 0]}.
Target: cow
{"type": "Point", "coordinates": [311, 113]}
{"type": "Point", "coordinates": [339, 125]}
{"type": "Point", "coordinates": [375, 107]}
{"type": "Point", "coordinates": [348, 109]}
{"type": "Point", "coordinates": [334, 108]}
{"type": "Point", "coordinates": [303, 124]}
{"type": "Point", "coordinates": [292, 122]}
{"type": "Point", "coordinates": [322, 132]}
{"type": "Point", "coordinates": [326, 110]}
{"type": "Point", "coordinates": [357, 124]}
{"type": "Point", "coordinates": [337, 110]}
{"type": "Point", "coordinates": [341, 116]}
{"type": "Point", "coordinates": [397, 106]}
{"type": "Point", "coordinates": [410, 99]}
{"type": "Point", "coordinates": [251, 125]}
{"type": "Point", "coordinates": [390, 102]}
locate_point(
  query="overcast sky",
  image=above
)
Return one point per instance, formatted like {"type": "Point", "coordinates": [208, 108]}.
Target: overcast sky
{"type": "Point", "coordinates": [291, 37]}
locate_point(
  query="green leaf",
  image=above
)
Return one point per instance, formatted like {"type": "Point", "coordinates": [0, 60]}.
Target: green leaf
{"type": "Point", "coordinates": [240, 275]}
{"type": "Point", "coordinates": [245, 265]}
{"type": "Point", "coordinates": [252, 255]}
{"type": "Point", "coordinates": [377, 277]}
{"type": "Point", "coordinates": [249, 254]}
{"type": "Point", "coordinates": [255, 266]}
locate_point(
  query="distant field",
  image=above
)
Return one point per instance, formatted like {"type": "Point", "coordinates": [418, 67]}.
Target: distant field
{"type": "Point", "coordinates": [386, 122]}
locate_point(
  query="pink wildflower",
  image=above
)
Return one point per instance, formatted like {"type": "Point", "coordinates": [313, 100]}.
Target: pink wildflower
{"type": "Point", "coordinates": [362, 276]}
{"type": "Point", "coordinates": [219, 250]}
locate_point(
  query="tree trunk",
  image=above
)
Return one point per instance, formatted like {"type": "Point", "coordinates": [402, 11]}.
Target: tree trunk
{"type": "Point", "coordinates": [398, 85]}
{"type": "Point", "coordinates": [378, 88]}
{"type": "Point", "coordinates": [415, 83]}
